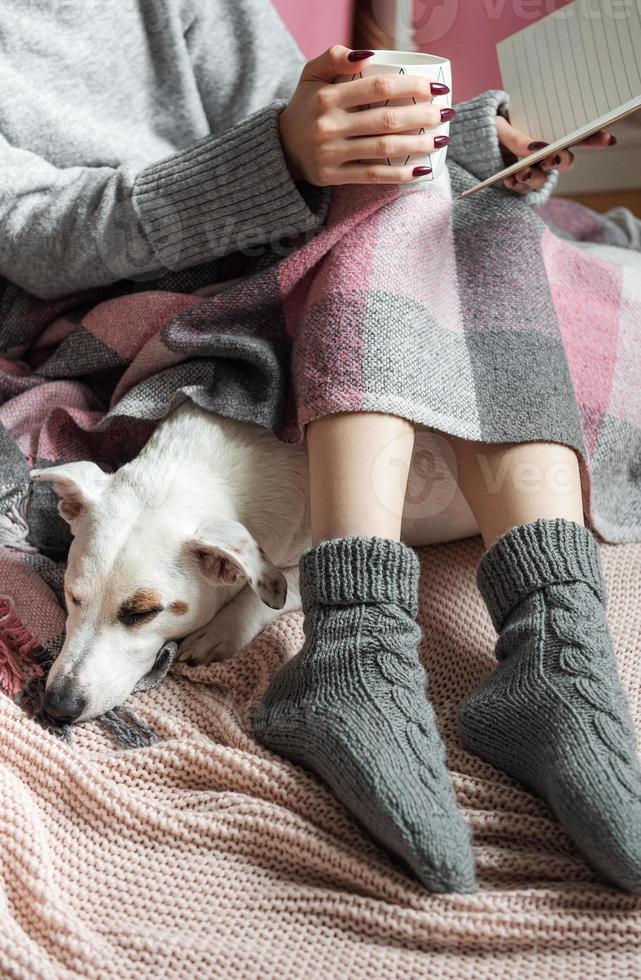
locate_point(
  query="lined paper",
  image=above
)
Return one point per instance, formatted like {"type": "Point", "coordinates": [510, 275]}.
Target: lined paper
{"type": "Point", "coordinates": [573, 66]}
{"type": "Point", "coordinates": [571, 74]}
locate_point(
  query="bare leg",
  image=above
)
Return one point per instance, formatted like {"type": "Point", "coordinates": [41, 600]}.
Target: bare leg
{"type": "Point", "coordinates": [507, 484]}
{"type": "Point", "coordinates": [358, 468]}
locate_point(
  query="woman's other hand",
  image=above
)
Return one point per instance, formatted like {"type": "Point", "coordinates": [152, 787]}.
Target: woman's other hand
{"type": "Point", "coordinates": [326, 141]}
{"type": "Point", "coordinates": [518, 145]}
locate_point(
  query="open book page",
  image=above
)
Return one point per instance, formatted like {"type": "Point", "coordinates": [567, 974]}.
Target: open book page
{"type": "Point", "coordinates": [571, 74]}
{"type": "Point", "coordinates": [572, 67]}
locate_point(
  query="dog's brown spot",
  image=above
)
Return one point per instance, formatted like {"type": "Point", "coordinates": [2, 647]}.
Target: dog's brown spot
{"type": "Point", "coordinates": [139, 608]}
{"type": "Point", "coordinates": [143, 601]}
{"type": "Point", "coordinates": [179, 608]}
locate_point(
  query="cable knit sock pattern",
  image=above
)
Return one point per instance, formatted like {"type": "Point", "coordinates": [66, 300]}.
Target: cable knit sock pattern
{"type": "Point", "coordinates": [554, 715]}
{"type": "Point", "coordinates": [351, 707]}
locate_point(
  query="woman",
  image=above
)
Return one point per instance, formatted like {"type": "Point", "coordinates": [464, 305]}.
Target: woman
{"type": "Point", "coordinates": [164, 136]}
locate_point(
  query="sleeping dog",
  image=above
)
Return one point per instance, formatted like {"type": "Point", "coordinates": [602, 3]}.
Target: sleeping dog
{"type": "Point", "coordinates": [198, 538]}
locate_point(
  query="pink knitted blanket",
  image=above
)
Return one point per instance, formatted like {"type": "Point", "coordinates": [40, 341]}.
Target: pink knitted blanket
{"type": "Point", "coordinates": [203, 855]}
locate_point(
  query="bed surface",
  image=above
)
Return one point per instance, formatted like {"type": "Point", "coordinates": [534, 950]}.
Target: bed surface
{"type": "Point", "coordinates": [204, 855]}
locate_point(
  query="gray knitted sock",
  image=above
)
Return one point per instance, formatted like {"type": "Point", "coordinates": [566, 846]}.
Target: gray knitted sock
{"type": "Point", "coordinates": [553, 714]}
{"type": "Point", "coordinates": [351, 707]}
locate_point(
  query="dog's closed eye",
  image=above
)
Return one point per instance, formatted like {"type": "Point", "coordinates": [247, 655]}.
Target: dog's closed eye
{"type": "Point", "coordinates": [72, 599]}
{"type": "Point", "coordinates": [141, 608]}
{"type": "Point", "coordinates": [137, 618]}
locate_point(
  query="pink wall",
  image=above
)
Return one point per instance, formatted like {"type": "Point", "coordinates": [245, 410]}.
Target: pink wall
{"type": "Point", "coordinates": [317, 23]}
{"type": "Point", "coordinates": [467, 32]}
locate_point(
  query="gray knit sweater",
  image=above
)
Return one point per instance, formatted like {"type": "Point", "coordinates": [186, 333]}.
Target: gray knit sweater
{"type": "Point", "coordinates": [138, 136]}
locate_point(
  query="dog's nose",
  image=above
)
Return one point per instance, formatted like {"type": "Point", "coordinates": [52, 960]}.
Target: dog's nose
{"type": "Point", "coordinates": [65, 708]}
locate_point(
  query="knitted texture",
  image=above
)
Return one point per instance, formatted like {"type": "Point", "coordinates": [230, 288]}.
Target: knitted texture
{"type": "Point", "coordinates": [163, 155]}
{"type": "Point", "coordinates": [361, 335]}
{"type": "Point", "coordinates": [338, 571]}
{"type": "Point", "coordinates": [166, 155]}
{"type": "Point", "coordinates": [534, 555]}
{"type": "Point", "coordinates": [554, 715]}
{"type": "Point", "coordinates": [351, 707]}
{"type": "Point", "coordinates": [211, 184]}
{"type": "Point", "coordinates": [485, 159]}
{"type": "Point", "coordinates": [205, 855]}
{"type": "Point", "coordinates": [463, 315]}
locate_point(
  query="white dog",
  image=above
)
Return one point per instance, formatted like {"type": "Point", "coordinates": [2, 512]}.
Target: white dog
{"type": "Point", "coordinates": [198, 538]}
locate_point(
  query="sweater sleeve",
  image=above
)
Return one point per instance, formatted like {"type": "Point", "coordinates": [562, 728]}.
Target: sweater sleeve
{"type": "Point", "coordinates": [234, 190]}
{"type": "Point", "coordinates": [224, 194]}
{"type": "Point", "coordinates": [66, 229]}
{"type": "Point", "coordinates": [475, 143]}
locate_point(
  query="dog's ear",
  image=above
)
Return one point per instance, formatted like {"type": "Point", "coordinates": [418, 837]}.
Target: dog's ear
{"type": "Point", "coordinates": [227, 553]}
{"type": "Point", "coordinates": [79, 486]}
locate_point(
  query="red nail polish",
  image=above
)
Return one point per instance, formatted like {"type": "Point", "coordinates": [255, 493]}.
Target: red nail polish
{"type": "Point", "coordinates": [556, 160]}
{"type": "Point", "coordinates": [447, 114]}
{"type": "Point", "coordinates": [421, 171]}
{"type": "Point", "coordinates": [359, 55]}
{"type": "Point", "coordinates": [438, 88]}
{"type": "Point", "coordinates": [440, 141]}
{"type": "Point", "coordinates": [537, 145]}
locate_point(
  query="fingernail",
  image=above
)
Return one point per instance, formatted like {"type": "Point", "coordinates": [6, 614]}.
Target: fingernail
{"type": "Point", "coordinates": [440, 141]}
{"type": "Point", "coordinates": [537, 145]}
{"type": "Point", "coordinates": [556, 160]}
{"type": "Point", "coordinates": [359, 55]}
{"type": "Point", "coordinates": [613, 141]}
{"type": "Point", "coordinates": [438, 88]}
{"type": "Point", "coordinates": [447, 114]}
{"type": "Point", "coordinates": [421, 171]}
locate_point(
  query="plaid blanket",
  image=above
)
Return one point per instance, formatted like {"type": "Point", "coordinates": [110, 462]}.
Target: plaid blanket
{"type": "Point", "coordinates": [474, 317]}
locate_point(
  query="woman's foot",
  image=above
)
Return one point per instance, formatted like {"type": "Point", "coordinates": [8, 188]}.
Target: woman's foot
{"type": "Point", "coordinates": [553, 715]}
{"type": "Point", "coordinates": [351, 707]}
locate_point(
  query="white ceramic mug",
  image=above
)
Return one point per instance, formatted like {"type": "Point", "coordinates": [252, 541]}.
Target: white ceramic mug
{"type": "Point", "coordinates": [425, 66]}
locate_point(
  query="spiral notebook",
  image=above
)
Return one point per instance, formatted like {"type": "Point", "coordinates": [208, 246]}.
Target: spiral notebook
{"type": "Point", "coordinates": [571, 74]}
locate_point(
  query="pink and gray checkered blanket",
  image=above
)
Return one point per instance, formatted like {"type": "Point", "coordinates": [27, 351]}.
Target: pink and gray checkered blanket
{"type": "Point", "coordinates": [476, 318]}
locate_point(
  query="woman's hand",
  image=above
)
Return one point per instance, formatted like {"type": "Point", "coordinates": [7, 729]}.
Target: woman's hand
{"type": "Point", "coordinates": [325, 138]}
{"type": "Point", "coordinates": [518, 145]}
